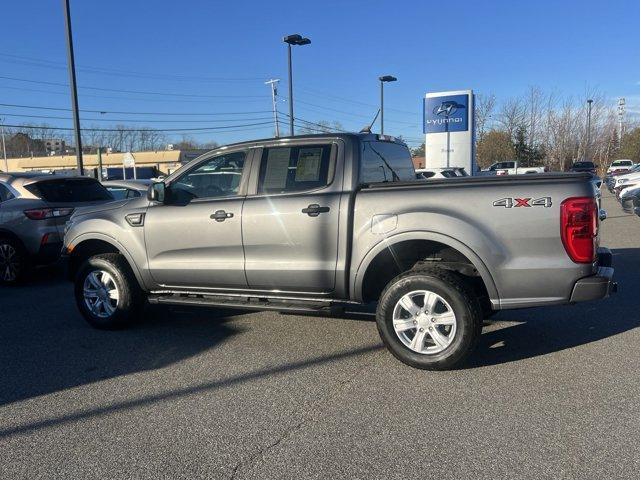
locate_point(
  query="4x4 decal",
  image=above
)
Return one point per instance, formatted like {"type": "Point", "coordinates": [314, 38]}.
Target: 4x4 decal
{"type": "Point", "coordinates": [523, 202]}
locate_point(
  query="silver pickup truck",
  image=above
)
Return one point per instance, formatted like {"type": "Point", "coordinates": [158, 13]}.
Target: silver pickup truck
{"type": "Point", "coordinates": [326, 222]}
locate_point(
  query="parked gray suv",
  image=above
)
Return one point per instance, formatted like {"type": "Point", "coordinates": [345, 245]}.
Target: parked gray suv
{"type": "Point", "coordinates": [33, 211]}
{"type": "Point", "coordinates": [324, 222]}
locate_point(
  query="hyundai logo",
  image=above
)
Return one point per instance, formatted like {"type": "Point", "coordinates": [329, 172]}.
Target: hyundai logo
{"type": "Point", "coordinates": [446, 108]}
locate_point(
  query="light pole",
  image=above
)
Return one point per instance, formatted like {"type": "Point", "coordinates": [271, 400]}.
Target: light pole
{"type": "Point", "coordinates": [72, 85]}
{"type": "Point", "coordinates": [4, 146]}
{"type": "Point", "coordinates": [588, 149]}
{"type": "Point", "coordinates": [383, 79]}
{"type": "Point", "coordinates": [290, 40]}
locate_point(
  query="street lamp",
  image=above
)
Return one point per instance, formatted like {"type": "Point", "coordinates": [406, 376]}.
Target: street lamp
{"type": "Point", "coordinates": [383, 79]}
{"type": "Point", "coordinates": [290, 40]}
{"type": "Point", "coordinates": [588, 149]}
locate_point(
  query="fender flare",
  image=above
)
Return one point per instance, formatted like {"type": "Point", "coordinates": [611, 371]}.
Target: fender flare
{"type": "Point", "coordinates": [114, 243]}
{"type": "Point", "coordinates": [478, 263]}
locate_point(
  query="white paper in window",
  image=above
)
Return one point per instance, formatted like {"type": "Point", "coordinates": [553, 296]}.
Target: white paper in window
{"type": "Point", "coordinates": [308, 167]}
{"type": "Point", "coordinates": [275, 177]}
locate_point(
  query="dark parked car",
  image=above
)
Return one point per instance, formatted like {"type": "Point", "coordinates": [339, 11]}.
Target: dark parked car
{"type": "Point", "coordinates": [588, 167]}
{"type": "Point", "coordinates": [33, 211]}
{"type": "Point", "coordinates": [121, 189]}
{"type": "Point", "coordinates": [141, 173]}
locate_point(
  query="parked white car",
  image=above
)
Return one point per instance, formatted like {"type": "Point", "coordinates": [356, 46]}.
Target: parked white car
{"type": "Point", "coordinates": [443, 172]}
{"type": "Point", "coordinates": [626, 180]}
{"type": "Point", "coordinates": [511, 167]}
{"type": "Point", "coordinates": [620, 165]}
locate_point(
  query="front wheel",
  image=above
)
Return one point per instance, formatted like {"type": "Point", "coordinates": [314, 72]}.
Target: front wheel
{"type": "Point", "coordinates": [429, 319]}
{"type": "Point", "coordinates": [107, 293]}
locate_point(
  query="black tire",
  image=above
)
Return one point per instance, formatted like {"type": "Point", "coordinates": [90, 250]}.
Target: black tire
{"type": "Point", "coordinates": [130, 296]}
{"type": "Point", "coordinates": [458, 295]}
{"type": "Point", "coordinates": [14, 262]}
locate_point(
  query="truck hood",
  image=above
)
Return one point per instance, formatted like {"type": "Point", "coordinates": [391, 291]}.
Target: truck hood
{"type": "Point", "coordinates": [103, 207]}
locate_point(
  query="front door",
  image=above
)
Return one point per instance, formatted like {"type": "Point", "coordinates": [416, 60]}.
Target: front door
{"type": "Point", "coordinates": [290, 224]}
{"type": "Point", "coordinates": [194, 239]}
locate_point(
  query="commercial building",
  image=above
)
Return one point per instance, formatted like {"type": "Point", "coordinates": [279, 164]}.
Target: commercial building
{"type": "Point", "coordinates": [164, 160]}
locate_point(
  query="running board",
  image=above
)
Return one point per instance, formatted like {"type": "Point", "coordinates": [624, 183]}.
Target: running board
{"type": "Point", "coordinates": [248, 302]}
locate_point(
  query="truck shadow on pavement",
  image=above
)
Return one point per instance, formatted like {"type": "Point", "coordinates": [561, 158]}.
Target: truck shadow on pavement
{"type": "Point", "coordinates": [45, 346]}
{"type": "Point", "coordinates": [540, 331]}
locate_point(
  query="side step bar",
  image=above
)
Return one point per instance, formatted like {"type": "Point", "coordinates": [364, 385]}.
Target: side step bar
{"type": "Point", "coordinates": [248, 302]}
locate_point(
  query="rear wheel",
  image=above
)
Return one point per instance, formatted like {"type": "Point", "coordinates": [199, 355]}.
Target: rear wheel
{"type": "Point", "coordinates": [107, 293]}
{"type": "Point", "coordinates": [429, 319]}
{"type": "Point", "coordinates": [13, 261]}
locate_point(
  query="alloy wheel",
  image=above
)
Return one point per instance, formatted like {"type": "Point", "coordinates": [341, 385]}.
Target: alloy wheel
{"type": "Point", "coordinates": [424, 322]}
{"type": "Point", "coordinates": [100, 293]}
{"type": "Point", "coordinates": [9, 262]}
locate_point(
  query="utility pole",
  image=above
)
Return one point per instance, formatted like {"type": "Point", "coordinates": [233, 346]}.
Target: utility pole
{"type": "Point", "coordinates": [4, 146]}
{"type": "Point", "coordinates": [621, 111]}
{"type": "Point", "coordinates": [274, 95]}
{"type": "Point", "coordinates": [72, 85]}
{"type": "Point", "coordinates": [588, 149]}
{"type": "Point", "coordinates": [99, 152]}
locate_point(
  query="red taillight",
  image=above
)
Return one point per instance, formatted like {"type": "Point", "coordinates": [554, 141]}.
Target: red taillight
{"type": "Point", "coordinates": [579, 228]}
{"type": "Point", "coordinates": [44, 213]}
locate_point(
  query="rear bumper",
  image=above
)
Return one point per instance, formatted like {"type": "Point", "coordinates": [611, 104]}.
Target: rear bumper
{"type": "Point", "coordinates": [598, 286]}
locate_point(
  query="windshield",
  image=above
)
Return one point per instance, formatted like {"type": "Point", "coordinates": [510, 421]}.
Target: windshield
{"type": "Point", "coordinates": [622, 163]}
{"type": "Point", "coordinates": [584, 165]}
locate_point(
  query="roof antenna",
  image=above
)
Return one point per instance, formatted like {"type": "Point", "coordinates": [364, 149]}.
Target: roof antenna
{"type": "Point", "coordinates": [367, 128]}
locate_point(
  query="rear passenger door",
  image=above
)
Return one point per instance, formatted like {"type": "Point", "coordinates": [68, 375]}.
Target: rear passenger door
{"type": "Point", "coordinates": [290, 218]}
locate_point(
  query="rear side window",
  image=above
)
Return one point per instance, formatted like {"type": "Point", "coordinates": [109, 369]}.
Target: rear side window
{"type": "Point", "coordinates": [118, 193]}
{"type": "Point", "coordinates": [385, 162]}
{"type": "Point", "coordinates": [295, 169]}
{"type": "Point", "coordinates": [70, 190]}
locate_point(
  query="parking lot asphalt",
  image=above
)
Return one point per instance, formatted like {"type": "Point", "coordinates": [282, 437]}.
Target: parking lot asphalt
{"type": "Point", "coordinates": [193, 393]}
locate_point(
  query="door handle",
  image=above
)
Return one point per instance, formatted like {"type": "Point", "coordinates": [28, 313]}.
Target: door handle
{"type": "Point", "coordinates": [221, 216]}
{"type": "Point", "coordinates": [314, 210]}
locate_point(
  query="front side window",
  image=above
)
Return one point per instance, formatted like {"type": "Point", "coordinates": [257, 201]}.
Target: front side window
{"type": "Point", "coordinates": [217, 177]}
{"type": "Point", "coordinates": [385, 162]}
{"type": "Point", "coordinates": [294, 169]}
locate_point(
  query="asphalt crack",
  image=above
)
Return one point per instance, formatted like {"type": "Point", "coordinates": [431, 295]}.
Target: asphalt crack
{"type": "Point", "coordinates": [340, 386]}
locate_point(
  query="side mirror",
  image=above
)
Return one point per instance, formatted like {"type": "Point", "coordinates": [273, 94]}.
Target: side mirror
{"type": "Point", "coordinates": [156, 192]}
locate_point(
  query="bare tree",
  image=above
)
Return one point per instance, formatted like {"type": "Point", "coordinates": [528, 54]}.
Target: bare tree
{"type": "Point", "coordinates": [512, 115]}
{"type": "Point", "coordinates": [484, 106]}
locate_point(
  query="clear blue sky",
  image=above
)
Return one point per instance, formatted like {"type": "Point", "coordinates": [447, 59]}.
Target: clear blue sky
{"type": "Point", "coordinates": [201, 49]}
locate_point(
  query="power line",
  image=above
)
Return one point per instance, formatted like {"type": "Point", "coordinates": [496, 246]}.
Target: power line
{"type": "Point", "coordinates": [131, 113]}
{"type": "Point", "coordinates": [51, 117]}
{"type": "Point", "coordinates": [226, 128]}
{"type": "Point", "coordinates": [139, 92]}
{"type": "Point", "coordinates": [37, 62]}
{"type": "Point", "coordinates": [135, 99]}
{"type": "Point", "coordinates": [349, 100]}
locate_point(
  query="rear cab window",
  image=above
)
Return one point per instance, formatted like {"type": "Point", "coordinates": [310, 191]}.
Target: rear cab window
{"type": "Point", "coordinates": [69, 190]}
{"type": "Point", "coordinates": [385, 162]}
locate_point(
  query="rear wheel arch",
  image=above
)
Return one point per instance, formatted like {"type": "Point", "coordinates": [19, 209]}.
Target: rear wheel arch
{"type": "Point", "coordinates": [8, 234]}
{"type": "Point", "coordinates": [406, 251]}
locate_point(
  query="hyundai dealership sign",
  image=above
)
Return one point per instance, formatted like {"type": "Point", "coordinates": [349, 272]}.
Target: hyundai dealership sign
{"type": "Point", "coordinates": [449, 130]}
